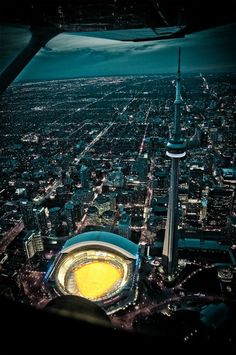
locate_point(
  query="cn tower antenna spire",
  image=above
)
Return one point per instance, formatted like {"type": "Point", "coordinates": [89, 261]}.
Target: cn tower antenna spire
{"type": "Point", "coordinates": [179, 60]}
{"type": "Point", "coordinates": [176, 149]}
{"type": "Point", "coordinates": [178, 101]}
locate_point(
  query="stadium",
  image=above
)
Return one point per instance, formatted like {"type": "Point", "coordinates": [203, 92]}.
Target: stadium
{"type": "Point", "coordinates": [99, 266]}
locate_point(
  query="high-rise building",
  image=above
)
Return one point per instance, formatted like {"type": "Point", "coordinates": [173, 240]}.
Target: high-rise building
{"type": "Point", "coordinates": [229, 133]}
{"type": "Point", "coordinates": [219, 207]}
{"type": "Point", "coordinates": [108, 218]}
{"type": "Point", "coordinates": [54, 216]}
{"type": "Point", "coordinates": [124, 225]}
{"type": "Point", "coordinates": [62, 194]}
{"type": "Point", "coordinates": [33, 243]}
{"type": "Point", "coordinates": [195, 140]}
{"type": "Point", "coordinates": [204, 138]}
{"type": "Point", "coordinates": [195, 181]}
{"type": "Point", "coordinates": [81, 198]}
{"type": "Point", "coordinates": [92, 215]}
{"type": "Point", "coordinates": [69, 210]}
{"type": "Point", "coordinates": [193, 212]}
{"type": "Point", "coordinates": [140, 167]}
{"type": "Point", "coordinates": [84, 176]}
{"type": "Point", "coordinates": [41, 220]}
{"type": "Point", "coordinates": [103, 203]}
{"type": "Point", "coordinates": [27, 212]}
{"type": "Point", "coordinates": [113, 197]}
{"type": "Point", "coordinates": [214, 136]}
{"type": "Point", "coordinates": [176, 149]}
{"type": "Point", "coordinates": [161, 183]}
{"type": "Point", "coordinates": [115, 178]}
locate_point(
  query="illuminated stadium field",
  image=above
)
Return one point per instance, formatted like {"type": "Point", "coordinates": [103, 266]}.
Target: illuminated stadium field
{"type": "Point", "coordinates": [96, 279]}
{"type": "Point", "coordinates": [93, 274]}
{"type": "Point", "coordinates": [99, 266]}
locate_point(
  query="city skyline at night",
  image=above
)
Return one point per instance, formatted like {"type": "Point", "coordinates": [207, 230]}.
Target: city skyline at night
{"type": "Point", "coordinates": [118, 172]}
{"type": "Point", "coordinates": [76, 177]}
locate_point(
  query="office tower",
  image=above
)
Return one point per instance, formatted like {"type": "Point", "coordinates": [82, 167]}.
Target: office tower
{"type": "Point", "coordinates": [195, 140]}
{"type": "Point", "coordinates": [33, 243]}
{"type": "Point", "coordinates": [62, 194]}
{"type": "Point", "coordinates": [161, 180]}
{"type": "Point", "coordinates": [140, 167]}
{"type": "Point", "coordinates": [108, 218]}
{"type": "Point", "coordinates": [214, 136]}
{"type": "Point", "coordinates": [195, 181]}
{"type": "Point", "coordinates": [81, 198]}
{"type": "Point", "coordinates": [229, 134]}
{"type": "Point", "coordinates": [115, 178]}
{"type": "Point", "coordinates": [193, 212]}
{"type": "Point", "coordinates": [175, 150]}
{"type": "Point", "coordinates": [113, 197]}
{"type": "Point", "coordinates": [204, 139]}
{"type": "Point", "coordinates": [84, 176]}
{"type": "Point", "coordinates": [41, 219]}
{"type": "Point", "coordinates": [54, 216]}
{"type": "Point", "coordinates": [92, 215]}
{"type": "Point", "coordinates": [69, 210]}
{"type": "Point", "coordinates": [27, 212]}
{"type": "Point", "coordinates": [21, 193]}
{"type": "Point", "coordinates": [103, 203]}
{"type": "Point", "coordinates": [124, 225]}
{"type": "Point", "coordinates": [219, 207]}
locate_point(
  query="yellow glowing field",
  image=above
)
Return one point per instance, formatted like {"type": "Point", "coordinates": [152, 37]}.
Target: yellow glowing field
{"type": "Point", "coordinates": [95, 279]}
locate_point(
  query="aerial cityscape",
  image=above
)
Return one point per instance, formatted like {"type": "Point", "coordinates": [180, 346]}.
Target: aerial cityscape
{"type": "Point", "coordinates": [121, 190]}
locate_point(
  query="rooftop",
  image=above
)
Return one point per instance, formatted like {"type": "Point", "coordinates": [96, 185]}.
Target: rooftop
{"type": "Point", "coordinates": [111, 240]}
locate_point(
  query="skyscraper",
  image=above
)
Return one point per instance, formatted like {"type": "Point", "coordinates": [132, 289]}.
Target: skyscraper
{"type": "Point", "coordinates": [176, 149]}
{"type": "Point", "coordinates": [219, 208]}
{"type": "Point", "coordinates": [41, 220]}
{"type": "Point", "coordinates": [33, 243]}
{"type": "Point", "coordinates": [54, 216]}
{"type": "Point", "coordinates": [140, 167]}
{"type": "Point", "coordinates": [69, 211]}
{"type": "Point", "coordinates": [84, 176]}
{"type": "Point", "coordinates": [124, 224]}
{"type": "Point", "coordinates": [26, 208]}
{"type": "Point", "coordinates": [196, 181]}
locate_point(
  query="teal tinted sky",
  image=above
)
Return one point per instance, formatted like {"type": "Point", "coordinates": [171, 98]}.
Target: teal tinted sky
{"type": "Point", "coordinates": [12, 41]}
{"type": "Point", "coordinates": [71, 55]}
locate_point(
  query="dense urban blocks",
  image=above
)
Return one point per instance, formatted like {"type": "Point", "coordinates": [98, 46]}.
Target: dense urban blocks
{"type": "Point", "coordinates": [90, 155]}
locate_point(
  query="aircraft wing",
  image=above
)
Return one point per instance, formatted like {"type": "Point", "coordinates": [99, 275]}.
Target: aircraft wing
{"type": "Point", "coordinates": [122, 20]}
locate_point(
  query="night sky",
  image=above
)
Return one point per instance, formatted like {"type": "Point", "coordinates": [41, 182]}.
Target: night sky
{"type": "Point", "coordinates": [71, 55]}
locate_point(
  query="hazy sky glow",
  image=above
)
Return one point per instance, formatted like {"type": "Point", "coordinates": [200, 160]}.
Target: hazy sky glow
{"type": "Point", "coordinates": [71, 55]}
{"type": "Point", "coordinates": [12, 40]}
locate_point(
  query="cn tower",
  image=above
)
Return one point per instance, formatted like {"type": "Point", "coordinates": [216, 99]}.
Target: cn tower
{"type": "Point", "coordinates": [176, 149]}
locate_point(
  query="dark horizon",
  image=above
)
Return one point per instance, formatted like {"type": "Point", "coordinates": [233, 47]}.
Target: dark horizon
{"type": "Point", "coordinates": [75, 55]}
{"type": "Point", "coordinates": [172, 74]}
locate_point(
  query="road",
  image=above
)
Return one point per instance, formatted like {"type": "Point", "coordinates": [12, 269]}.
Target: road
{"type": "Point", "coordinates": [10, 236]}
{"type": "Point", "coordinates": [144, 310]}
{"type": "Point", "coordinates": [94, 141]}
{"type": "Point", "coordinates": [146, 129]}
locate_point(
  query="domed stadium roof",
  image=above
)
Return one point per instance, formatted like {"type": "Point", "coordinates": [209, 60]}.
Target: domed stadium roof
{"type": "Point", "coordinates": [109, 240]}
